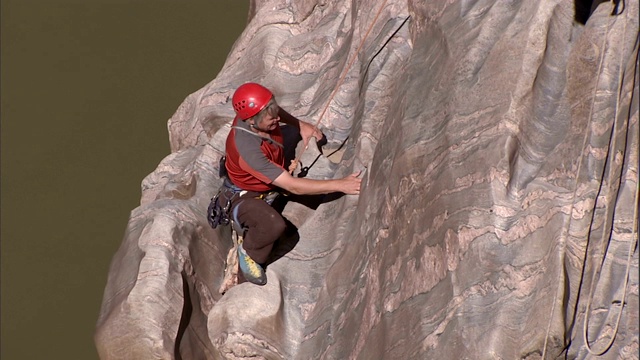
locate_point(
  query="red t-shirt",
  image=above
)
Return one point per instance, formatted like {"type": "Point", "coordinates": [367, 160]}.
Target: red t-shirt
{"type": "Point", "coordinates": [253, 163]}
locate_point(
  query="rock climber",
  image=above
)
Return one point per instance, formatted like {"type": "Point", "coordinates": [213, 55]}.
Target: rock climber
{"type": "Point", "coordinates": [256, 174]}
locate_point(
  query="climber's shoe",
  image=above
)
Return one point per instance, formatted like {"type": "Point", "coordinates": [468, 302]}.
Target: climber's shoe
{"type": "Point", "coordinates": [252, 271]}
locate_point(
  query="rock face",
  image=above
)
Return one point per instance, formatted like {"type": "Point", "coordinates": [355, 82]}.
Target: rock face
{"type": "Point", "coordinates": [498, 218]}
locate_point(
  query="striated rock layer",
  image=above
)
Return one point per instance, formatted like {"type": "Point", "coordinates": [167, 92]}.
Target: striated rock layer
{"type": "Point", "coordinates": [499, 146]}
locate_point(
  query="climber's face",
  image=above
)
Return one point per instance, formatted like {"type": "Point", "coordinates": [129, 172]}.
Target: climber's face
{"type": "Point", "coordinates": [268, 119]}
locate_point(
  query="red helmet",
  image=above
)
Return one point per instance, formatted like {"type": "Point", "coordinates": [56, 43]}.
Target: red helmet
{"type": "Point", "coordinates": [249, 99]}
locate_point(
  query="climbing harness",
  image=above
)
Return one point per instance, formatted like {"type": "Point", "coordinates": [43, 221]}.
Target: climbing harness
{"type": "Point", "coordinates": [218, 214]}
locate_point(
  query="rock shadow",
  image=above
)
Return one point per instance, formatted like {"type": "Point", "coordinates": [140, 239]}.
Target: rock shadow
{"type": "Point", "coordinates": [285, 243]}
{"type": "Point", "coordinates": [187, 310]}
{"type": "Point", "coordinates": [584, 9]}
{"type": "Point", "coordinates": [290, 238]}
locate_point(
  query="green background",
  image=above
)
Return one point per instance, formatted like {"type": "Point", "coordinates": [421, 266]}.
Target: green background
{"type": "Point", "coordinates": [87, 89]}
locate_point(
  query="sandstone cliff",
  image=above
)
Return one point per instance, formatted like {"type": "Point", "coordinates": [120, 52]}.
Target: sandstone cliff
{"type": "Point", "coordinates": [499, 143]}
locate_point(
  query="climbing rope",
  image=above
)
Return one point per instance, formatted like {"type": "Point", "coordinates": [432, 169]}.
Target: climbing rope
{"type": "Point", "coordinates": [344, 74]}
{"type": "Point", "coordinates": [565, 230]}
{"type": "Point", "coordinates": [305, 170]}
{"type": "Point", "coordinates": [631, 243]}
{"type": "Point", "coordinates": [567, 227]}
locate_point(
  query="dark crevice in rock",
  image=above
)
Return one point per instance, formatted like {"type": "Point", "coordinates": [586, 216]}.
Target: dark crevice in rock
{"type": "Point", "coordinates": [584, 9]}
{"type": "Point", "coordinates": [185, 317]}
